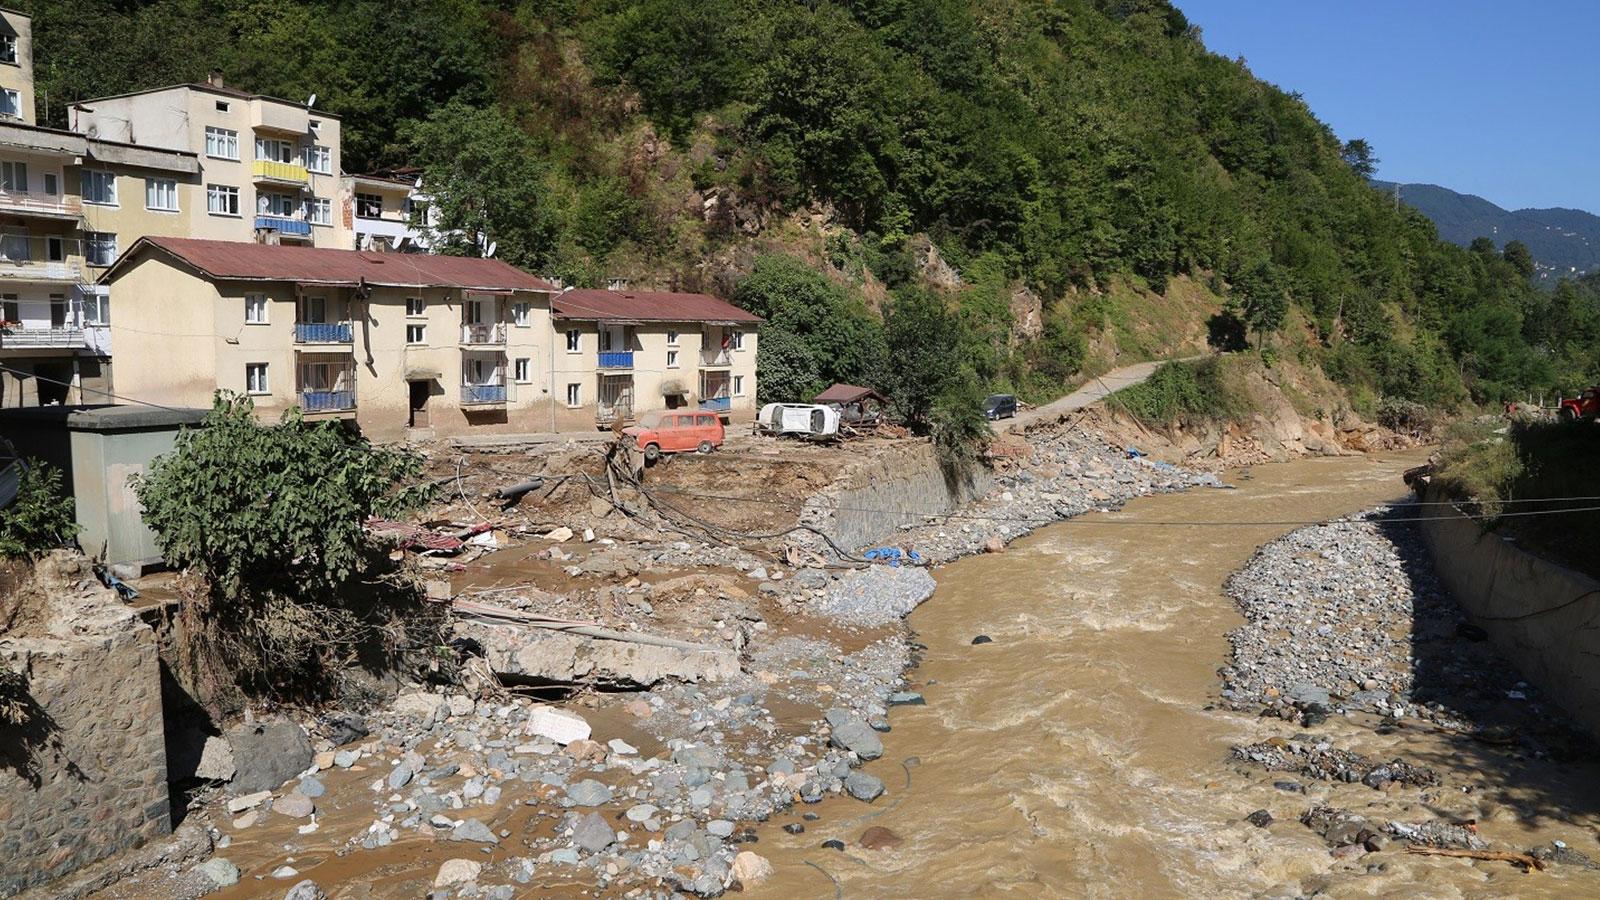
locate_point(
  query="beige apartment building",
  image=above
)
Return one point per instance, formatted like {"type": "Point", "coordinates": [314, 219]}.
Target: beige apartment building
{"type": "Point", "coordinates": [620, 354]}
{"type": "Point", "coordinates": [399, 343]}
{"type": "Point", "coordinates": [269, 168]}
{"type": "Point", "coordinates": [378, 208]}
{"type": "Point", "coordinates": [16, 67]}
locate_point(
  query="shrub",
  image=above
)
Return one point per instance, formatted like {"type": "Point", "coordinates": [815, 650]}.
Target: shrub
{"type": "Point", "coordinates": [1187, 393]}
{"type": "Point", "coordinates": [41, 517]}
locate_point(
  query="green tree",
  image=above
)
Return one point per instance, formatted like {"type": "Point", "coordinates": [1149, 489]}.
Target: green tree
{"type": "Point", "coordinates": [816, 333]}
{"type": "Point", "coordinates": [923, 337]}
{"type": "Point", "coordinates": [40, 517]}
{"type": "Point", "coordinates": [1359, 156]}
{"type": "Point", "coordinates": [1517, 254]}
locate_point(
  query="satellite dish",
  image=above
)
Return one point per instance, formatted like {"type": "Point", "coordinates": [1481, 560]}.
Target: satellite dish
{"type": "Point", "coordinates": [492, 245]}
{"type": "Point", "coordinates": [312, 101]}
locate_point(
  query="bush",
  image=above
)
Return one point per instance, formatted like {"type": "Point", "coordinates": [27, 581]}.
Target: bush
{"type": "Point", "coordinates": [41, 517]}
{"type": "Point", "coordinates": [1186, 393]}
{"type": "Point", "coordinates": [960, 431]}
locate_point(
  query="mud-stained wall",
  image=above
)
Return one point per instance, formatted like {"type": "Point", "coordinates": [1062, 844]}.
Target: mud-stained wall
{"type": "Point", "coordinates": [868, 504]}
{"type": "Point", "coordinates": [1539, 614]}
{"type": "Point", "coordinates": [85, 776]}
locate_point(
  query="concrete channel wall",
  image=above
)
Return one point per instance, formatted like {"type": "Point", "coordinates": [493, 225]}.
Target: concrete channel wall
{"type": "Point", "coordinates": [868, 504]}
{"type": "Point", "coordinates": [1541, 615]}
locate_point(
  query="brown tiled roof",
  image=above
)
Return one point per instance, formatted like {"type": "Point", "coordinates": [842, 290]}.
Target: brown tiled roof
{"type": "Point", "coordinates": [647, 306]}
{"type": "Point", "coordinates": [847, 393]}
{"type": "Point", "coordinates": [242, 261]}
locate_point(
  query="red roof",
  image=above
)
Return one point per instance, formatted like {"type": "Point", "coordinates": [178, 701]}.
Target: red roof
{"type": "Point", "coordinates": [241, 261]}
{"type": "Point", "coordinates": [647, 306]}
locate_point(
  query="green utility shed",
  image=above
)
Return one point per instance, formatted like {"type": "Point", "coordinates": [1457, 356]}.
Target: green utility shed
{"type": "Point", "coordinates": [99, 449]}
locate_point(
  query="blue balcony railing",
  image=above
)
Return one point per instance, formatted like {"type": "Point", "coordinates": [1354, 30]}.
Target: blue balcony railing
{"type": "Point", "coordinates": [616, 359]}
{"type": "Point", "coordinates": [284, 225]}
{"type": "Point", "coordinates": [483, 393]}
{"type": "Point", "coordinates": [718, 404]}
{"type": "Point", "coordinates": [327, 401]}
{"type": "Point", "coordinates": [322, 332]}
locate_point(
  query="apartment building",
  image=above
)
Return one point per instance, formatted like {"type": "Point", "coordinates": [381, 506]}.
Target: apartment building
{"type": "Point", "coordinates": [379, 207]}
{"type": "Point", "coordinates": [16, 67]}
{"type": "Point", "coordinates": [619, 354]}
{"type": "Point", "coordinates": [269, 168]}
{"type": "Point", "coordinates": [398, 343]}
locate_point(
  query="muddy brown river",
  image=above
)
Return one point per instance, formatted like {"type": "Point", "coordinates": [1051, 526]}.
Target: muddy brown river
{"type": "Point", "coordinates": [1076, 756]}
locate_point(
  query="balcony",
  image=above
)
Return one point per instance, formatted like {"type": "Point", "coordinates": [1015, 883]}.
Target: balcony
{"type": "Point", "coordinates": [717, 404]}
{"type": "Point", "coordinates": [33, 270]}
{"type": "Point", "coordinates": [327, 401]}
{"type": "Point", "coordinates": [285, 225]}
{"type": "Point", "coordinates": [41, 338]}
{"type": "Point", "coordinates": [33, 203]}
{"type": "Point", "coordinates": [483, 333]}
{"type": "Point", "coordinates": [616, 359]}
{"type": "Point", "coordinates": [715, 358]}
{"type": "Point", "coordinates": [275, 172]}
{"type": "Point", "coordinates": [483, 394]}
{"type": "Point", "coordinates": [323, 333]}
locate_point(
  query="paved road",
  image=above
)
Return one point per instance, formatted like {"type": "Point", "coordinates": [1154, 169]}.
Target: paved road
{"type": "Point", "coordinates": [1096, 390]}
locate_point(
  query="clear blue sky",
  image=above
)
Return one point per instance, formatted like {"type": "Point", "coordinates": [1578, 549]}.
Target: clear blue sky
{"type": "Point", "coordinates": [1499, 99]}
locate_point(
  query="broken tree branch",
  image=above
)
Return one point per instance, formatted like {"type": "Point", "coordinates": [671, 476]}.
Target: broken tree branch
{"type": "Point", "coordinates": [1518, 859]}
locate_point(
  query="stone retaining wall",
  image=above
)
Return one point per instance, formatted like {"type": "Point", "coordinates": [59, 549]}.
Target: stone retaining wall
{"type": "Point", "coordinates": [867, 505]}
{"type": "Point", "coordinates": [86, 776]}
{"type": "Point", "coordinates": [1541, 615]}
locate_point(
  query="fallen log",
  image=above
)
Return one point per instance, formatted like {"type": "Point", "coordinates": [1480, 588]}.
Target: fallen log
{"type": "Point", "coordinates": [1517, 859]}
{"type": "Point", "coordinates": [515, 491]}
{"type": "Point", "coordinates": [498, 616]}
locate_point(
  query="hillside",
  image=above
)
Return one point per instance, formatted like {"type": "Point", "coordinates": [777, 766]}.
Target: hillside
{"type": "Point", "coordinates": [1563, 242]}
{"type": "Point", "coordinates": [1014, 181]}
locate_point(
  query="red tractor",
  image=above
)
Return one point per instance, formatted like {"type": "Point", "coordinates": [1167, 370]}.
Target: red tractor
{"type": "Point", "coordinates": [1585, 406]}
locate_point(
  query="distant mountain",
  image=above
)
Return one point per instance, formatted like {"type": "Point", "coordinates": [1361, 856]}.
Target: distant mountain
{"type": "Point", "coordinates": [1563, 241]}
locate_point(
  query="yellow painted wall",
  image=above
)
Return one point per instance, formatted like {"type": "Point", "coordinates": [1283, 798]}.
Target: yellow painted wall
{"type": "Point", "coordinates": [164, 333]}
{"type": "Point", "coordinates": [18, 76]}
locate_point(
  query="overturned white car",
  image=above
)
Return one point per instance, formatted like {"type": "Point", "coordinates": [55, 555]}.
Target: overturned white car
{"type": "Point", "coordinates": [803, 419]}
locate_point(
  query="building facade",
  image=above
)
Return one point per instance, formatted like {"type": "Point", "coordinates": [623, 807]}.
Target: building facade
{"type": "Point", "coordinates": [620, 354]}
{"type": "Point", "coordinates": [385, 207]}
{"type": "Point", "coordinates": [268, 168]}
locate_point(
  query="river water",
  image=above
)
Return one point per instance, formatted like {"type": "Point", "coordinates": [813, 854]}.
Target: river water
{"type": "Point", "coordinates": [1076, 754]}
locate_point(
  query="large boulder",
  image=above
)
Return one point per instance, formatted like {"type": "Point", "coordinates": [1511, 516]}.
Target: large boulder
{"type": "Point", "coordinates": [265, 755]}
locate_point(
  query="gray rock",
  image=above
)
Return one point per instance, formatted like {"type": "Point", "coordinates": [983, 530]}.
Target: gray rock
{"type": "Point", "coordinates": [719, 827]}
{"type": "Point", "coordinates": [592, 833]}
{"type": "Point", "coordinates": [220, 871]}
{"type": "Point", "coordinates": [474, 831]}
{"type": "Point", "coordinates": [305, 890]}
{"type": "Point", "coordinates": [311, 786]}
{"type": "Point", "coordinates": [400, 776]}
{"type": "Point", "coordinates": [294, 805]}
{"type": "Point", "coordinates": [344, 759]}
{"type": "Point", "coordinates": [906, 698]}
{"type": "Point", "coordinates": [641, 812]}
{"type": "Point", "coordinates": [853, 734]}
{"type": "Point", "coordinates": [216, 760]}
{"type": "Point", "coordinates": [267, 754]}
{"type": "Point", "coordinates": [863, 787]}
{"type": "Point", "coordinates": [565, 855]}
{"type": "Point", "coordinates": [589, 792]}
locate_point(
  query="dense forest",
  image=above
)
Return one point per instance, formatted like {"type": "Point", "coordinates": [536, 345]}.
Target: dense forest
{"type": "Point", "coordinates": [1061, 146]}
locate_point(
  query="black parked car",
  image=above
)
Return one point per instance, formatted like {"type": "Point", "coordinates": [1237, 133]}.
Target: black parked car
{"type": "Point", "coordinates": [1000, 406]}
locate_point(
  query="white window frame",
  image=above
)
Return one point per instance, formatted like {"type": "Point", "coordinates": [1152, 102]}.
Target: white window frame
{"type": "Point", "coordinates": [8, 49]}
{"type": "Point", "coordinates": [12, 105]}
{"type": "Point", "coordinates": [158, 189]}
{"type": "Point", "coordinates": [672, 359]}
{"type": "Point", "coordinates": [222, 143]}
{"type": "Point", "coordinates": [104, 240]}
{"type": "Point", "coordinates": [738, 385]}
{"type": "Point", "coordinates": [574, 340]}
{"type": "Point", "coordinates": [421, 331]}
{"type": "Point", "coordinates": [96, 309]}
{"type": "Point", "coordinates": [522, 314]}
{"type": "Point", "coordinates": [672, 339]}
{"type": "Point", "coordinates": [319, 159]}
{"type": "Point", "coordinates": [274, 150]}
{"type": "Point", "coordinates": [256, 309]}
{"type": "Point", "coordinates": [319, 211]}
{"type": "Point", "coordinates": [52, 184]}
{"type": "Point", "coordinates": [574, 394]}
{"type": "Point", "coordinates": [250, 387]}
{"type": "Point", "coordinates": [13, 175]}
{"type": "Point", "coordinates": [416, 307]}
{"type": "Point", "coordinates": [522, 370]}
{"type": "Point", "coordinates": [737, 341]}
{"type": "Point", "coordinates": [103, 184]}
{"type": "Point", "coordinates": [281, 206]}
{"type": "Point", "coordinates": [368, 198]}
{"type": "Point", "coordinates": [224, 192]}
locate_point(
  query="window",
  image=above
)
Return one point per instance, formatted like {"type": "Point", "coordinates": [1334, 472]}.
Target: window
{"type": "Point", "coordinates": [222, 200]}
{"type": "Point", "coordinates": [50, 185]}
{"type": "Point", "coordinates": [10, 104]}
{"type": "Point", "coordinates": [274, 150]}
{"type": "Point", "coordinates": [275, 205]}
{"type": "Point", "coordinates": [574, 338]}
{"type": "Point", "coordinates": [320, 211]}
{"type": "Point", "coordinates": [520, 368]}
{"type": "Point", "coordinates": [99, 187]}
{"type": "Point", "coordinates": [161, 193]}
{"type": "Point", "coordinates": [315, 125]}
{"type": "Point", "coordinates": [101, 247]}
{"type": "Point", "coordinates": [738, 385]}
{"type": "Point", "coordinates": [10, 308]}
{"type": "Point", "coordinates": [737, 342]}
{"type": "Point", "coordinates": [416, 306]}
{"type": "Point", "coordinates": [14, 247]}
{"type": "Point", "coordinates": [96, 309]}
{"type": "Point", "coordinates": [574, 394]}
{"type": "Point", "coordinates": [8, 48]}
{"type": "Point", "coordinates": [416, 333]}
{"type": "Point", "coordinates": [520, 314]}
{"type": "Point", "coordinates": [255, 309]}
{"type": "Point", "coordinates": [672, 339]}
{"type": "Point", "coordinates": [55, 249]}
{"type": "Point", "coordinates": [319, 159]}
{"type": "Point", "coordinates": [255, 378]}
{"type": "Point", "coordinates": [13, 176]}
{"type": "Point", "coordinates": [672, 359]}
{"type": "Point", "coordinates": [369, 206]}
{"type": "Point", "coordinates": [222, 143]}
